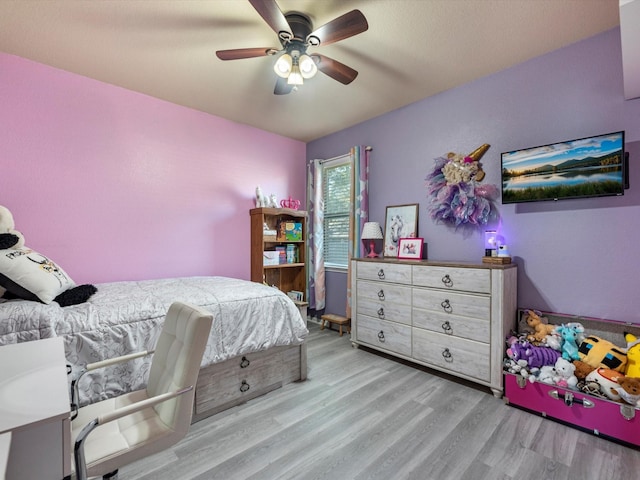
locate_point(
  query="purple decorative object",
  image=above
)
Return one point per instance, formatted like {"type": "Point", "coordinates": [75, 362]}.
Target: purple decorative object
{"type": "Point", "coordinates": [535, 356]}
{"type": "Point", "coordinates": [290, 203]}
{"type": "Point", "coordinates": [460, 199]}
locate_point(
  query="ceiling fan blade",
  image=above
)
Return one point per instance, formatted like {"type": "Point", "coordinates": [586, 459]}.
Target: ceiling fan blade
{"type": "Point", "coordinates": [336, 70]}
{"type": "Point", "coordinates": [282, 87]}
{"type": "Point", "coordinates": [271, 13]}
{"type": "Point", "coordinates": [345, 26]}
{"type": "Point", "coordinates": [239, 53]}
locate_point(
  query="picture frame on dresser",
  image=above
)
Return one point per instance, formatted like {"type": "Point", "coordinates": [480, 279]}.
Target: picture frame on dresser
{"type": "Point", "coordinates": [401, 221]}
{"type": "Point", "coordinates": [410, 248]}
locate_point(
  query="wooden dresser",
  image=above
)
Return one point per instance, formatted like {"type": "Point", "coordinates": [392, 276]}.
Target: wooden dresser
{"type": "Point", "coordinates": [452, 317]}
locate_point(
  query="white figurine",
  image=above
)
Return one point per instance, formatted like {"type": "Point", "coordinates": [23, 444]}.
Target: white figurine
{"type": "Point", "coordinates": [261, 200]}
{"type": "Point", "coordinates": [273, 201]}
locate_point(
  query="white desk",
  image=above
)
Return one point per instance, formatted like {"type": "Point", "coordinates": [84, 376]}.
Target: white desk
{"type": "Point", "coordinates": [34, 408]}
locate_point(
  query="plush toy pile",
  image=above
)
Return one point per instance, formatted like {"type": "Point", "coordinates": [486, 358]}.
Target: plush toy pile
{"type": "Point", "coordinates": [565, 356]}
{"type": "Point", "coordinates": [29, 275]}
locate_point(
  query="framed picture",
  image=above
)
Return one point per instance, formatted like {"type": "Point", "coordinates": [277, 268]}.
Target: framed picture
{"type": "Point", "coordinates": [410, 248]}
{"type": "Point", "coordinates": [401, 221]}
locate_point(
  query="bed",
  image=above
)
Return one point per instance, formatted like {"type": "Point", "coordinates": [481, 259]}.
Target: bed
{"type": "Point", "coordinates": [256, 343]}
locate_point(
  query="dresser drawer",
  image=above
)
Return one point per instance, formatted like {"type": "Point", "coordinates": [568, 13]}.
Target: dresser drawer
{"type": "Point", "coordinates": [384, 293]}
{"type": "Point", "coordinates": [459, 304]}
{"type": "Point", "coordinates": [384, 334]}
{"type": "Point", "coordinates": [463, 327]}
{"type": "Point", "coordinates": [385, 311]}
{"type": "Point", "coordinates": [457, 355]}
{"type": "Point", "coordinates": [385, 272]}
{"type": "Point", "coordinates": [453, 278]}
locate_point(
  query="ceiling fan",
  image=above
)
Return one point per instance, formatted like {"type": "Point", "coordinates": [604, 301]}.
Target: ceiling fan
{"type": "Point", "coordinates": [296, 34]}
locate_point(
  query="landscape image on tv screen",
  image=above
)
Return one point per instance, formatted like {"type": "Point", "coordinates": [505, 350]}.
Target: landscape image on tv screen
{"type": "Point", "coordinates": [586, 167]}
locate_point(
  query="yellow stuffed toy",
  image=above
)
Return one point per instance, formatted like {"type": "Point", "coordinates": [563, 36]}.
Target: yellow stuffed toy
{"type": "Point", "coordinates": [601, 353]}
{"type": "Point", "coordinates": [633, 355]}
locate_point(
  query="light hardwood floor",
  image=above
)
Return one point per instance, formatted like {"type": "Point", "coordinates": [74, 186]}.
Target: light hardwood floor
{"type": "Point", "coordinates": [363, 416]}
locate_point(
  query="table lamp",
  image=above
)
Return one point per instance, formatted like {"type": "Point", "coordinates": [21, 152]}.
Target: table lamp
{"type": "Point", "coordinates": [371, 231]}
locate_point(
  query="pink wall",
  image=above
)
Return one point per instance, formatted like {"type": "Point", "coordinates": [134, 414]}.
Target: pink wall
{"type": "Point", "coordinates": [115, 185]}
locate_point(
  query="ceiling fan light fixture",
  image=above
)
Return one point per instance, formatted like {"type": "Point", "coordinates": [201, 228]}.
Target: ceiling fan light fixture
{"type": "Point", "coordinates": [283, 65]}
{"type": "Point", "coordinates": [295, 77]}
{"type": "Point", "coordinates": [308, 67]}
{"type": "Point", "coordinates": [296, 34]}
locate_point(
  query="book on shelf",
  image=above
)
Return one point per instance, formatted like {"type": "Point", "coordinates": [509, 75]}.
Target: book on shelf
{"type": "Point", "coordinates": [296, 296]}
{"type": "Point", "coordinates": [288, 231]}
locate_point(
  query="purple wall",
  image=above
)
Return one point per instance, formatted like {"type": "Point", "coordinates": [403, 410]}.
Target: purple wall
{"type": "Point", "coordinates": [574, 256]}
{"type": "Point", "coordinates": [115, 185]}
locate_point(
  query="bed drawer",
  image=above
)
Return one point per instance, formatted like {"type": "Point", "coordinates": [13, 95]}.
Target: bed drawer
{"type": "Point", "coordinates": [458, 355]}
{"type": "Point", "coordinates": [452, 303]}
{"type": "Point", "coordinates": [385, 272]}
{"type": "Point", "coordinates": [242, 378]}
{"type": "Point", "coordinates": [384, 335]}
{"type": "Point", "coordinates": [453, 278]}
{"type": "Point", "coordinates": [464, 327]}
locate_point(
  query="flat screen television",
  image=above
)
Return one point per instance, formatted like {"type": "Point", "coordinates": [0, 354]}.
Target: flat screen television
{"type": "Point", "coordinates": [585, 167]}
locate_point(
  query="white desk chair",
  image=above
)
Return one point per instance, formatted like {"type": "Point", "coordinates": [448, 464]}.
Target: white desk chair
{"type": "Point", "coordinates": [115, 432]}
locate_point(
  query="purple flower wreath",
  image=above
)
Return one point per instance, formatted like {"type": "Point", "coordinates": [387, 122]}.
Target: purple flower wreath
{"type": "Point", "coordinates": [455, 194]}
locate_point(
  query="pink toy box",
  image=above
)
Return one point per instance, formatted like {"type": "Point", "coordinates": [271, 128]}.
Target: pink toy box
{"type": "Point", "coordinates": [616, 421]}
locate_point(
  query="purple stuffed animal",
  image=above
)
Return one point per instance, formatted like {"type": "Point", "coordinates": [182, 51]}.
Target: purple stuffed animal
{"type": "Point", "coordinates": [536, 357]}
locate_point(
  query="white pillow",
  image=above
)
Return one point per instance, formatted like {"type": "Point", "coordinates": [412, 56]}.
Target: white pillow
{"type": "Point", "coordinates": [32, 276]}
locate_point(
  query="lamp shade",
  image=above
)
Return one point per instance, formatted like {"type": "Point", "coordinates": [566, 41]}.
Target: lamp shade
{"type": "Point", "coordinates": [283, 66]}
{"type": "Point", "coordinates": [295, 77]}
{"type": "Point", "coordinates": [372, 231]}
{"type": "Point", "coordinates": [308, 67]}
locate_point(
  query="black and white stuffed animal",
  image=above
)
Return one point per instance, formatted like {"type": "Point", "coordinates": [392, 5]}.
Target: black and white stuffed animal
{"type": "Point", "coordinates": [11, 247]}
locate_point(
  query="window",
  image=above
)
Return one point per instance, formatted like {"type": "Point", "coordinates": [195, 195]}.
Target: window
{"type": "Point", "coordinates": [337, 197]}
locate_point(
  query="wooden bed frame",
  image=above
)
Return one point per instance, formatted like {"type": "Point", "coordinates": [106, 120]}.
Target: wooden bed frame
{"type": "Point", "coordinates": [239, 379]}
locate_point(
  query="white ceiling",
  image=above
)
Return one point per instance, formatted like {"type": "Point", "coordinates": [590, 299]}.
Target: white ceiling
{"type": "Point", "coordinates": [413, 49]}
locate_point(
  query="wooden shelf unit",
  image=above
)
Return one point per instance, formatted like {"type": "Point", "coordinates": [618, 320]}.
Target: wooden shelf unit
{"type": "Point", "coordinates": [285, 276]}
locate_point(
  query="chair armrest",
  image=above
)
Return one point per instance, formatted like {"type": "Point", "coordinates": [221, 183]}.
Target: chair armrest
{"type": "Point", "coordinates": [116, 360]}
{"type": "Point", "coordinates": [78, 449]}
{"type": "Point", "coordinates": [75, 380]}
{"type": "Point", "coordinates": [141, 405]}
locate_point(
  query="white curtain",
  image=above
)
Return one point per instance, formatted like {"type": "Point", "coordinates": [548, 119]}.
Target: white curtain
{"type": "Point", "coordinates": [315, 238]}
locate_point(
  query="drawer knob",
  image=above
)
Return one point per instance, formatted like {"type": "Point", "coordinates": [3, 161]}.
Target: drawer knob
{"type": "Point", "coordinates": [446, 306]}
{"type": "Point", "coordinates": [447, 281]}
{"type": "Point", "coordinates": [381, 294]}
{"type": "Point", "coordinates": [381, 336]}
{"type": "Point", "coordinates": [381, 274]}
{"type": "Point", "coordinates": [244, 363]}
{"type": "Point", "coordinates": [381, 312]}
{"type": "Point", "coordinates": [447, 355]}
{"type": "Point", "coordinates": [446, 326]}
{"type": "Point", "coordinates": [244, 386]}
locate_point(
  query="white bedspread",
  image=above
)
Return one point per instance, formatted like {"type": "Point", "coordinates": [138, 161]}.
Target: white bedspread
{"type": "Point", "coordinates": [125, 317]}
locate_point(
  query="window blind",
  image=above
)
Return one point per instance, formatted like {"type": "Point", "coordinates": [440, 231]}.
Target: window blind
{"type": "Point", "coordinates": [337, 198]}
